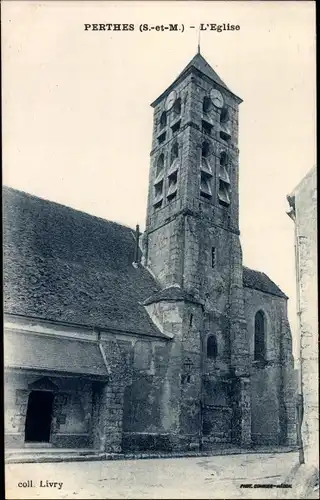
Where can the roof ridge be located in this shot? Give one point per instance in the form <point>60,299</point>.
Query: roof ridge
<point>255,270</point>
<point>70,266</point>
<point>247,282</point>
<point>62,205</point>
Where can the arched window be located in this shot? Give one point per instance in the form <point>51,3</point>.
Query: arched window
<point>224,159</point>
<point>205,149</point>
<point>224,115</point>
<point>174,152</point>
<point>177,106</point>
<point>163,120</point>
<point>206,104</point>
<point>213,257</point>
<point>160,164</point>
<point>212,347</point>
<point>259,336</point>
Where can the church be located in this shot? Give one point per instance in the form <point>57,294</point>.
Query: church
<point>118,341</point>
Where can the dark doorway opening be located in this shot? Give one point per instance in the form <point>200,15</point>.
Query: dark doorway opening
<point>39,416</point>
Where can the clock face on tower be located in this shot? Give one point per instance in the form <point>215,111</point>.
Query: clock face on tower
<point>216,98</point>
<point>170,100</point>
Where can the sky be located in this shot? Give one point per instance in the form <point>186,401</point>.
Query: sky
<point>77,123</point>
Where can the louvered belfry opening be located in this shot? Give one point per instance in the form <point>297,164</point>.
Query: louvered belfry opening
<point>224,180</point>
<point>206,171</point>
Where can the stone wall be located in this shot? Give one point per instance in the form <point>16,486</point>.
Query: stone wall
<point>162,404</point>
<point>147,413</point>
<point>217,414</point>
<point>305,217</point>
<point>165,253</point>
<point>272,384</point>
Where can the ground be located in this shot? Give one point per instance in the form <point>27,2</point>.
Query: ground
<point>215,477</point>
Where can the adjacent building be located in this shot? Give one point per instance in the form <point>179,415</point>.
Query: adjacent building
<point>303,211</point>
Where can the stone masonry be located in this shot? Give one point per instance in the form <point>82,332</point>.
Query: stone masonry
<point>192,245</point>
<point>303,211</point>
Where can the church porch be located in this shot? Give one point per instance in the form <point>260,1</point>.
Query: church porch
<point>46,411</point>
<point>53,388</point>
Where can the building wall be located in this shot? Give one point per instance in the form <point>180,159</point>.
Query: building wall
<point>272,382</point>
<point>305,217</point>
<point>148,418</point>
<point>162,404</point>
<point>165,252</point>
<point>88,412</point>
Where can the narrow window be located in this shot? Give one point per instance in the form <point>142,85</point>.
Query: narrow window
<point>225,135</point>
<point>206,104</point>
<point>174,152</point>
<point>259,336</point>
<point>205,164</point>
<point>162,138</point>
<point>206,127</point>
<point>213,257</point>
<point>212,347</point>
<point>160,164</point>
<point>158,205</point>
<point>173,185</point>
<point>158,183</point>
<point>205,186</point>
<point>177,106</point>
<point>205,150</point>
<point>223,193</point>
<point>163,119</point>
<point>224,115</point>
<point>224,180</point>
<point>176,127</point>
<point>158,189</point>
<point>224,158</point>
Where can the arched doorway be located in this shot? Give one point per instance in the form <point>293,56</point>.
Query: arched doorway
<point>39,416</point>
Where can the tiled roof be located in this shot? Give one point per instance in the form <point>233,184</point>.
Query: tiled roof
<point>201,65</point>
<point>53,353</point>
<point>260,281</point>
<point>65,265</point>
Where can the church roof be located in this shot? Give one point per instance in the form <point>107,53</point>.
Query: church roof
<point>65,265</point>
<point>59,354</point>
<point>198,62</point>
<point>260,281</point>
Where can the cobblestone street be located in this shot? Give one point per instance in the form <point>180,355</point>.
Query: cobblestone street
<point>197,477</point>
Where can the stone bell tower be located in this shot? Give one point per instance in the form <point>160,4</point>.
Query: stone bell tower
<point>192,237</point>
